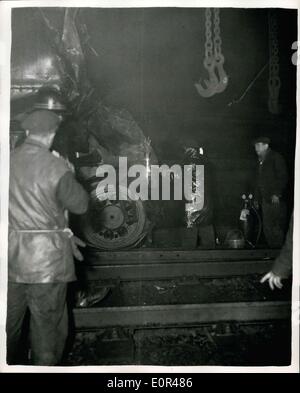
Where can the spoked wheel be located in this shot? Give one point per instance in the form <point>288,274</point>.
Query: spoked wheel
<point>113,224</point>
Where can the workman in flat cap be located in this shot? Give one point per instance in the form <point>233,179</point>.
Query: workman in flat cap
<point>270,187</point>
<point>41,246</point>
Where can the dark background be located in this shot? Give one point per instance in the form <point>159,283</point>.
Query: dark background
<point>149,60</point>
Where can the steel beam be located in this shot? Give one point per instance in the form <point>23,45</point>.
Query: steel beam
<point>96,257</point>
<point>152,271</point>
<point>183,315</point>
<point>169,264</point>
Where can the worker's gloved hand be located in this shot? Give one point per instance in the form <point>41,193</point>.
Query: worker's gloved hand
<point>273,279</point>
<point>70,165</point>
<point>67,161</point>
<point>75,242</point>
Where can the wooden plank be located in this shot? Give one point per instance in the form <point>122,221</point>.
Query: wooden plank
<point>188,314</point>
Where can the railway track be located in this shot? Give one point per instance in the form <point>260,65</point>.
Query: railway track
<point>204,268</point>
<point>149,264</point>
<point>180,315</point>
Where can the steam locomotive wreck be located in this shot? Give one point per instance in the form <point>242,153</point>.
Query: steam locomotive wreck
<point>180,269</point>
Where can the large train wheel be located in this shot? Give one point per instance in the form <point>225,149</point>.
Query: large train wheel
<point>113,224</point>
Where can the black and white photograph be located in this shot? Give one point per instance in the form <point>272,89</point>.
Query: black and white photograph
<point>149,186</point>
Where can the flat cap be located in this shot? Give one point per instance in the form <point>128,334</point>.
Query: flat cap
<point>41,122</point>
<point>261,139</point>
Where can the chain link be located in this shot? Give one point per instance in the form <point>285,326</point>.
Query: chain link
<point>213,47</point>
<point>208,35</point>
<point>217,35</point>
<point>274,79</point>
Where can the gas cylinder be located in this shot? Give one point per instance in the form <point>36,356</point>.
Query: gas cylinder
<point>249,221</point>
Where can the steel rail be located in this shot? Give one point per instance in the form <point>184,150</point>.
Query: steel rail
<point>96,257</point>
<point>182,315</point>
<point>168,264</point>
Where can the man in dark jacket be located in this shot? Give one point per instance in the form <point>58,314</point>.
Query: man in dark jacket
<point>40,261</point>
<point>271,182</point>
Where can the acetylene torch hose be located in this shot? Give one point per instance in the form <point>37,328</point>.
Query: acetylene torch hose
<point>259,225</point>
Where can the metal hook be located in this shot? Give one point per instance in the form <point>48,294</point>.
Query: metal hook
<point>211,83</point>
<point>223,78</point>
<point>204,92</point>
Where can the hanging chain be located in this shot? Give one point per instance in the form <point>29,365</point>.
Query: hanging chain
<point>213,59</point>
<point>208,36</point>
<point>274,79</point>
<point>217,35</point>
